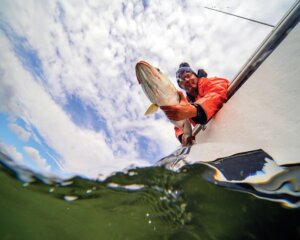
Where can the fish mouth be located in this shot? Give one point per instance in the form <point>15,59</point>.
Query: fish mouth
<point>148,78</point>
<point>144,71</point>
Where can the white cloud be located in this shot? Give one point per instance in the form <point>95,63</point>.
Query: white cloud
<point>36,158</point>
<point>11,151</point>
<point>83,151</point>
<point>20,132</point>
<point>89,50</point>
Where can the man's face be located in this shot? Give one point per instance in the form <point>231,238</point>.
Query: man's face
<point>189,81</point>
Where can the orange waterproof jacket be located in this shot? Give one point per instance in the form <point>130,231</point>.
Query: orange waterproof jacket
<point>212,93</point>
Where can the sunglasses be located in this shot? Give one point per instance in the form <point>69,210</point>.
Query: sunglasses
<point>183,77</point>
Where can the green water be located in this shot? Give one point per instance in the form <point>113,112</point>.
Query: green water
<point>167,205</point>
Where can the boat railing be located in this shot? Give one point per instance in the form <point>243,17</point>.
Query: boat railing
<point>274,38</point>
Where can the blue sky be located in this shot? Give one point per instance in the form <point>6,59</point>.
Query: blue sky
<point>70,102</point>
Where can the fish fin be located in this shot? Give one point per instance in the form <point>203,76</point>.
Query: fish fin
<point>152,109</point>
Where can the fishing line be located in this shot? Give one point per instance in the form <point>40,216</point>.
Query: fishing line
<point>249,19</point>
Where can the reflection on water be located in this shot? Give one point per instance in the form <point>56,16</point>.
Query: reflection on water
<point>254,172</point>
<point>142,203</point>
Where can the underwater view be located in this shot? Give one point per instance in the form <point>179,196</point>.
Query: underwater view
<point>141,203</point>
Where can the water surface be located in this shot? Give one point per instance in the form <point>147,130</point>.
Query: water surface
<point>143,203</point>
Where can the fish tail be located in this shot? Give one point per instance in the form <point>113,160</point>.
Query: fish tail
<point>187,128</point>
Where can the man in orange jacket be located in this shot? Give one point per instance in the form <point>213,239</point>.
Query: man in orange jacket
<point>205,96</point>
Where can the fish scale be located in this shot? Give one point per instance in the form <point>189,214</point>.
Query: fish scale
<point>160,91</point>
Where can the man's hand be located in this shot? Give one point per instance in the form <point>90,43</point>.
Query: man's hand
<point>181,111</point>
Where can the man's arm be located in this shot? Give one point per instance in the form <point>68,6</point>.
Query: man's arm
<point>214,95</point>
<point>205,106</point>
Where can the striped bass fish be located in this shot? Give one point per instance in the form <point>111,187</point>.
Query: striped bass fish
<point>160,91</point>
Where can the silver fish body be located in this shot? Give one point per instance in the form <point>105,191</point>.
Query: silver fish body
<point>160,90</point>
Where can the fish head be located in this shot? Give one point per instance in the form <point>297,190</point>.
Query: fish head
<point>145,72</point>
<point>156,85</point>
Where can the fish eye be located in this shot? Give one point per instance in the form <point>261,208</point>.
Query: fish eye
<point>158,69</point>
